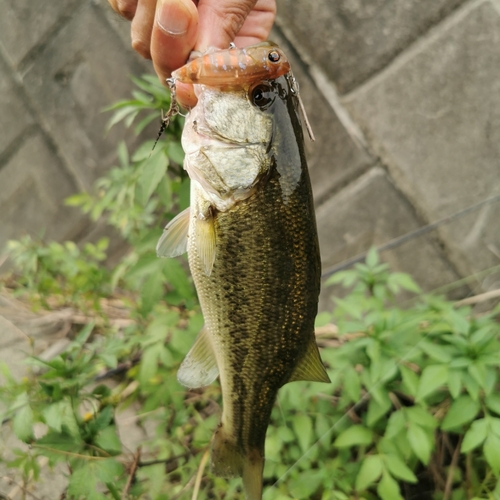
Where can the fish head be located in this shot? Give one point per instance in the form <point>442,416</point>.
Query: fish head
<point>232,138</point>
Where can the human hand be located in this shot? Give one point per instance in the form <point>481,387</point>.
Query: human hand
<point>166,31</point>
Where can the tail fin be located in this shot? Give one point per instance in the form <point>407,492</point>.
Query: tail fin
<point>228,461</point>
<point>253,467</point>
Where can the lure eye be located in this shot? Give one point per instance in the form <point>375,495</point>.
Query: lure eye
<point>274,56</point>
<point>262,96</point>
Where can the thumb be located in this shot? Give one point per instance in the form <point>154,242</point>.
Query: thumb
<point>173,35</point>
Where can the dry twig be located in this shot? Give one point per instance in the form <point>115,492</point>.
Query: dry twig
<point>199,475</point>
<point>131,476</point>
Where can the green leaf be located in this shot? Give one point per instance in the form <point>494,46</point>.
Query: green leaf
<point>108,470</point>
<point>491,452</point>
<point>154,170</point>
<point>395,425</point>
<point>435,351</point>
<point>454,383</point>
<point>22,423</point>
<point>176,153</point>
<point>475,436</point>
<point>108,440</point>
<point>433,377</point>
<point>478,372</point>
<point>352,385</point>
<point>460,362</point>
<point>82,482</point>
<point>120,115</point>
<point>471,385</point>
<point>151,292</point>
<point>149,364</point>
<point>462,411</point>
<point>103,418</point>
<point>405,281</point>
<point>53,417</point>
<point>176,276</point>
<point>421,417</point>
<point>302,425</point>
<point>372,257</point>
<point>458,321</point>
<point>494,424</point>
<point>419,442</point>
<point>388,488</point>
<point>493,403</point>
<point>354,436</point>
<point>370,471</point>
<point>376,411</point>
<point>306,483</point>
<point>410,380</point>
<point>399,469</point>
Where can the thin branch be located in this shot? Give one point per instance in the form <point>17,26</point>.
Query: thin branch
<point>68,453</point>
<point>131,476</point>
<point>13,492</point>
<point>477,299</point>
<point>199,475</point>
<point>165,461</point>
<point>454,461</point>
<point>185,488</point>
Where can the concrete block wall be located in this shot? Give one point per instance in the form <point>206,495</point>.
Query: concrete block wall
<point>410,98</point>
<point>403,97</point>
<point>61,63</point>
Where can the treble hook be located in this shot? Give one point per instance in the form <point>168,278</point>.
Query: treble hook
<point>172,111</point>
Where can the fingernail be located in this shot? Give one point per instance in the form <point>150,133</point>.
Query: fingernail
<point>172,17</point>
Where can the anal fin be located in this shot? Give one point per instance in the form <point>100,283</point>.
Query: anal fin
<point>310,367</point>
<point>199,367</point>
<point>173,241</point>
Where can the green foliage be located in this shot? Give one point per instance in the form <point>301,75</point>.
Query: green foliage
<point>414,395</point>
<point>61,270</point>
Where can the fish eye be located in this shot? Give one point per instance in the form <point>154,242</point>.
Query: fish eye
<point>274,56</point>
<point>262,96</point>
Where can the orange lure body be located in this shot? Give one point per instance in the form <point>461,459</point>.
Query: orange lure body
<point>233,66</point>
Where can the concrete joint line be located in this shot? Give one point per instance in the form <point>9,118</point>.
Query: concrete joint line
<point>326,88</point>
<point>40,121</point>
<point>434,34</point>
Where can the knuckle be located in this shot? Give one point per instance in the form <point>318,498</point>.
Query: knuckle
<point>126,8</point>
<point>141,48</point>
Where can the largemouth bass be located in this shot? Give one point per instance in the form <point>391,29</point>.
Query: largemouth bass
<point>250,234</point>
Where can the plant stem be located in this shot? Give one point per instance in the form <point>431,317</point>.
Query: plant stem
<point>454,461</point>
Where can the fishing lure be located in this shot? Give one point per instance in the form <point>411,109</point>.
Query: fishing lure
<point>234,66</point>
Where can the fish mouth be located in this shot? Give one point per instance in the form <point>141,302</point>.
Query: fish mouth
<point>200,135</point>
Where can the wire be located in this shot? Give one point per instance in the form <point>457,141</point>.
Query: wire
<point>396,242</point>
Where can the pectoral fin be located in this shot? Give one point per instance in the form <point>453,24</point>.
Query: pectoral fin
<point>173,241</point>
<point>310,367</point>
<point>205,240</point>
<point>199,367</point>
